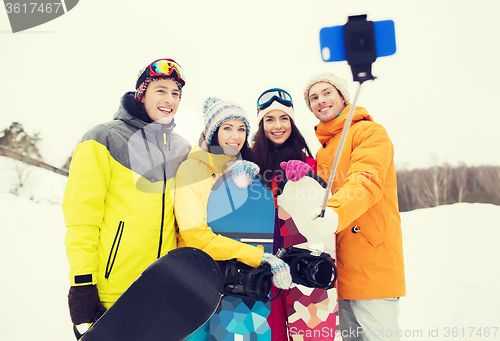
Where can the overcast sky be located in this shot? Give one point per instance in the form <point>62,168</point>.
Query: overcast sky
<point>437,96</point>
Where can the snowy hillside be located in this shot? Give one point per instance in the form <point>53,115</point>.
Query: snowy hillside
<point>33,263</point>
<point>451,255</point>
<point>451,259</point>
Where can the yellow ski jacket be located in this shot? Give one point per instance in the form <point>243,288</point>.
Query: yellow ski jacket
<point>117,204</point>
<point>194,181</point>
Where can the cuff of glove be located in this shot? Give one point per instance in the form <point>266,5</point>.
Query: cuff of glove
<point>340,213</point>
<point>277,265</point>
<point>266,258</point>
<point>79,280</point>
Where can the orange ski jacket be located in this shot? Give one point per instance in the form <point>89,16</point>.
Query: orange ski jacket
<point>369,247</point>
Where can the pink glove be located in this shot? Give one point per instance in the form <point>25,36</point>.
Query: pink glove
<point>295,169</point>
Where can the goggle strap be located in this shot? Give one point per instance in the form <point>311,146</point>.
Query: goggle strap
<point>279,93</point>
<point>150,72</point>
<point>145,75</point>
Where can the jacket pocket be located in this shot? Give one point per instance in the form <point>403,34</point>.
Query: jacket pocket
<point>369,230</point>
<point>114,249</point>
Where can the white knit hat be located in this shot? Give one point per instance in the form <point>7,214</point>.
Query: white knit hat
<point>275,106</point>
<point>217,111</point>
<point>339,83</point>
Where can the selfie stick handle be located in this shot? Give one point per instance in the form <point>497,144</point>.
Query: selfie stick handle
<point>338,152</point>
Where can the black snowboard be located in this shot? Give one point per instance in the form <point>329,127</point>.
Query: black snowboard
<point>171,299</point>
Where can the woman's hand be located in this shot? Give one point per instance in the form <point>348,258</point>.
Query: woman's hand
<point>295,169</point>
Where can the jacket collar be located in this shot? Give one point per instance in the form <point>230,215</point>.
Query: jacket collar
<point>217,162</point>
<point>324,131</point>
<point>132,112</point>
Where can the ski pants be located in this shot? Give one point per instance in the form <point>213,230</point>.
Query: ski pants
<point>369,320</point>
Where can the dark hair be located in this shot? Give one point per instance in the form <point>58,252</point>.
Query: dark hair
<point>245,152</point>
<point>268,156</point>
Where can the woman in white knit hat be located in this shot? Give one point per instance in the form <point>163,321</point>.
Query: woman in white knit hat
<point>224,141</point>
<point>278,139</point>
<point>279,144</point>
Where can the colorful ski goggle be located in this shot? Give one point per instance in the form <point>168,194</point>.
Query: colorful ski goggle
<point>162,67</point>
<point>271,95</point>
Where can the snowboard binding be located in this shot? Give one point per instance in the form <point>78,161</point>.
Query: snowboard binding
<point>311,268</point>
<point>244,281</point>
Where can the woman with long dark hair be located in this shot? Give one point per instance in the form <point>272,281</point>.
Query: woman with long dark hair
<point>281,152</point>
<point>278,139</point>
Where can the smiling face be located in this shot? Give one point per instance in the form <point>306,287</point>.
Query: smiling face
<point>326,101</point>
<point>232,136</point>
<point>277,127</point>
<point>161,100</point>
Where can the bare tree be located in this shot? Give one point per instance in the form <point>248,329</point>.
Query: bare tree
<point>405,189</point>
<point>431,181</point>
<point>17,141</point>
<point>445,182</point>
<point>460,180</point>
<point>489,182</point>
<point>22,172</point>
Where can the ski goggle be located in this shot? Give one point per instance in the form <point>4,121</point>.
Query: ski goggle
<point>271,95</point>
<point>162,68</point>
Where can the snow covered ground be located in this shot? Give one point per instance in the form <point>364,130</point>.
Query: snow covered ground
<point>451,255</point>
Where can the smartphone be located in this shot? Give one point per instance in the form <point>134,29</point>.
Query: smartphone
<point>333,45</point>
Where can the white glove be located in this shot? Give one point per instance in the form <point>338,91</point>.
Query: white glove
<point>327,224</point>
<point>282,278</point>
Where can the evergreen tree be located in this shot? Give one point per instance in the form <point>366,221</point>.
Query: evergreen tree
<point>16,139</point>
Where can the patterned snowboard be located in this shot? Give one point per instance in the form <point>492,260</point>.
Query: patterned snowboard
<point>246,215</point>
<point>312,312</point>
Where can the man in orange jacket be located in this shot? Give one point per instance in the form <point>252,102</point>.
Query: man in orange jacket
<point>363,212</point>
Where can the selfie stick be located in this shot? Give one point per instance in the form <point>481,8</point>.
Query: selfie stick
<point>360,51</point>
<point>338,152</point>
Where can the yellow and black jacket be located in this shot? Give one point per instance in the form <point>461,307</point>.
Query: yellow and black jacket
<point>117,205</point>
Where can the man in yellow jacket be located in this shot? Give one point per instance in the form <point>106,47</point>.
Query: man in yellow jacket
<point>117,204</point>
<point>363,212</point>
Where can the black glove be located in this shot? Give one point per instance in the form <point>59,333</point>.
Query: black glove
<point>84,304</point>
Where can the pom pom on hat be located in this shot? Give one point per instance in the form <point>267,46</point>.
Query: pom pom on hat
<point>339,83</point>
<point>216,111</point>
<point>207,103</point>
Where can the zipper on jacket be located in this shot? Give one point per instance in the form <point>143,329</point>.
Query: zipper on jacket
<point>145,139</point>
<point>116,241</point>
<point>167,137</point>
<point>163,199</point>
<point>162,206</point>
